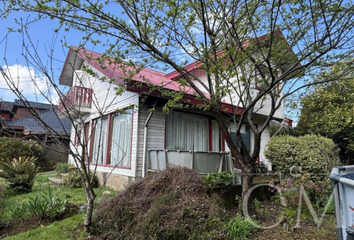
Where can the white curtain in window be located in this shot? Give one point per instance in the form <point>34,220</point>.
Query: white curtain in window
<point>187,132</point>
<point>100,141</point>
<point>121,138</point>
<point>215,136</point>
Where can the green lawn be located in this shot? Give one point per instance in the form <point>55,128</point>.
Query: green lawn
<point>63,229</point>
<point>66,229</point>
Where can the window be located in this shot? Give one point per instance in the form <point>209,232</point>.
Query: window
<point>100,137</point>
<point>112,139</point>
<point>245,134</point>
<point>121,139</point>
<point>191,132</point>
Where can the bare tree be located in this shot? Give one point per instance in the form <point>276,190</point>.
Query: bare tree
<point>80,141</point>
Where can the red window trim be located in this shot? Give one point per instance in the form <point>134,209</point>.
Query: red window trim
<point>210,131</point>
<point>107,153</point>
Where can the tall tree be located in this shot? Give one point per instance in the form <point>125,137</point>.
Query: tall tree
<point>255,53</point>
<point>328,110</point>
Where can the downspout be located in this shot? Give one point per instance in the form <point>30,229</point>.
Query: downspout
<point>145,138</point>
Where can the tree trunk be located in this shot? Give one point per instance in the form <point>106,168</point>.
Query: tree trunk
<point>88,215</point>
<point>246,183</point>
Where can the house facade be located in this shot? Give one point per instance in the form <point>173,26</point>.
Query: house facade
<point>126,136</point>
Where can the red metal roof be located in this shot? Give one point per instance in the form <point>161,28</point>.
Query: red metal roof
<point>197,64</point>
<point>120,72</point>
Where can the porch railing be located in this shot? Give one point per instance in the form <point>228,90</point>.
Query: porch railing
<point>78,98</point>
<point>202,162</point>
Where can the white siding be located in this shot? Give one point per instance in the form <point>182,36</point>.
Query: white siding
<point>262,107</point>
<point>264,140</point>
<point>155,134</point>
<point>106,101</point>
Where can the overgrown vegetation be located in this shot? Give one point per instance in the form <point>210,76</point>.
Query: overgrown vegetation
<point>62,167</point>
<point>306,154</point>
<point>74,180</point>
<point>3,196</point>
<point>163,206</point>
<point>173,204</point>
<point>48,205</point>
<point>216,179</point>
<point>240,228</point>
<point>19,173</point>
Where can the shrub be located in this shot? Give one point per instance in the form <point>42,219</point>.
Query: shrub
<point>11,148</point>
<point>310,153</point>
<point>20,173</point>
<point>218,179</point>
<point>240,228</point>
<point>62,168</point>
<point>319,192</point>
<point>73,179</point>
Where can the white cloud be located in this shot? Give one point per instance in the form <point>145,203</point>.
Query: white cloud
<point>24,80</point>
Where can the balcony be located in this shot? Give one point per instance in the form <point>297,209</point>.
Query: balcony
<point>76,102</point>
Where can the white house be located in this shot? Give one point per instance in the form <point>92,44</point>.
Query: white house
<point>126,141</point>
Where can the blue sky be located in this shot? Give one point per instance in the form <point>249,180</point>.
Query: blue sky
<point>44,39</point>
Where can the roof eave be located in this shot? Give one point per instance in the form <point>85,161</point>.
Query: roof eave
<point>72,62</point>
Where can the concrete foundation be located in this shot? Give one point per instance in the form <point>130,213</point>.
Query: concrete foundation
<point>115,181</point>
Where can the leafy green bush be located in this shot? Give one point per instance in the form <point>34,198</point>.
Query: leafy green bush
<point>240,228</point>
<point>20,173</point>
<point>73,179</point>
<point>62,168</point>
<point>218,179</point>
<point>296,155</point>
<point>47,205</point>
<point>11,148</point>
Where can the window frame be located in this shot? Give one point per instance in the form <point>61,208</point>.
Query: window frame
<point>210,133</point>
<point>248,132</point>
<point>109,129</point>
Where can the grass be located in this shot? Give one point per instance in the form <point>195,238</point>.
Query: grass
<point>64,229</point>
<point>71,228</point>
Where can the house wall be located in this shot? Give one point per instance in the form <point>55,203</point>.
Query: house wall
<point>5,115</point>
<point>21,113</point>
<point>106,101</point>
<point>262,107</point>
<point>155,134</point>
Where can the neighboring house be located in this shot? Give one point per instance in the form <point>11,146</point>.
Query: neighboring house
<point>19,122</point>
<point>129,141</point>
<point>6,110</point>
